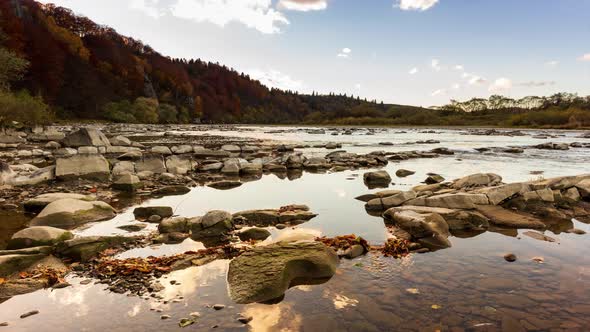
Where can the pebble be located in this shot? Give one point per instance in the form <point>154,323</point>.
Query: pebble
<point>245,319</point>
<point>165,316</point>
<point>218,306</point>
<point>4,324</point>
<point>281,226</point>
<point>30,313</point>
<point>154,218</point>
<point>195,314</point>
<point>510,257</point>
<point>538,259</point>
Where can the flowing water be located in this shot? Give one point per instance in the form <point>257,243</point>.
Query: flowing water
<point>466,287</point>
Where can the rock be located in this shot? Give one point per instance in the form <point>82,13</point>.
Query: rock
<point>510,257</point>
<point>429,229</point>
<point>245,319</point>
<point>435,178</point>
<point>163,150</point>
<point>539,236</point>
<point>223,185</point>
<point>231,168</point>
<point>131,155</point>
<point>456,219</point>
<point>251,168</point>
<point>30,313</point>
<point>14,263</point>
<point>133,227</point>
<point>38,176</point>
<point>280,226</point>
<point>544,195</point>
<point>94,167</point>
<point>154,219</point>
<point>506,218</point>
<point>127,182</point>
<point>498,194</point>
<point>576,231</point>
<point>151,162</point>
<point>572,194</point>
<point>171,190</point>
<point>123,167</point>
<point>584,188</point>
<point>84,248</point>
<point>120,141</point>
<point>354,251</point>
<point>171,225</point>
<point>38,236</point>
<point>457,201</point>
<point>68,213</point>
<point>378,177</point>
<point>231,148</point>
<point>265,273</point>
<point>218,306</point>
<point>179,164</point>
<point>147,211</point>
<point>254,233</point>
<point>402,173</point>
<point>214,224</point>
<point>87,150</point>
<point>211,167</point>
<point>39,202</point>
<point>182,149</point>
<point>86,137</point>
<point>477,180</point>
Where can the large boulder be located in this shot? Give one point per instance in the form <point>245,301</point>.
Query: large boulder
<point>507,218</point>
<point>254,233</point>
<point>38,236</point>
<point>120,141</point>
<point>6,173</point>
<point>271,217</point>
<point>457,200</point>
<point>145,212</point>
<point>383,203</point>
<point>179,164</point>
<point>477,180</point>
<point>172,225</point>
<point>94,167</point>
<point>127,182</point>
<point>499,194</point>
<point>151,162</point>
<point>84,248</point>
<point>456,219</point>
<point>429,229</point>
<point>265,273</point>
<point>38,176</point>
<point>215,224</point>
<point>86,137</point>
<point>10,264</point>
<point>377,178</point>
<point>40,202</point>
<point>584,188</point>
<point>69,213</point>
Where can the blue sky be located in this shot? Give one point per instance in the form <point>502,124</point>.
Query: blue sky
<point>420,52</point>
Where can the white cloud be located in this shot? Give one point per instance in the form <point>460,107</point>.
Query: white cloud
<point>552,63</point>
<point>585,57</point>
<point>456,86</point>
<point>536,84</point>
<point>257,14</point>
<point>357,86</point>
<point>275,79</point>
<point>344,53</point>
<point>501,84</point>
<point>303,5</point>
<point>148,7</point>
<point>413,71</point>
<point>439,92</point>
<point>416,4</point>
<point>473,79</point>
<point>435,64</point>
<point>459,67</point>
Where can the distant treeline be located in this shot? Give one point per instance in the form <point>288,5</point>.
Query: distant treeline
<point>58,65</point>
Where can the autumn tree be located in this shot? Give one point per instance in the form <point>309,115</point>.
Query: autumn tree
<point>145,110</point>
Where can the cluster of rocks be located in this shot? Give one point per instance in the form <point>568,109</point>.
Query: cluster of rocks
<point>217,227</point>
<point>429,213</point>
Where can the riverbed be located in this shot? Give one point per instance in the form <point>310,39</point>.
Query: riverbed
<point>468,287</point>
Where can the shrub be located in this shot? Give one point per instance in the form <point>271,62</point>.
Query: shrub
<point>23,108</point>
<point>145,110</point>
<point>119,112</point>
<point>167,113</point>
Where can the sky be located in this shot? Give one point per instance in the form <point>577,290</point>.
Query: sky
<point>417,52</point>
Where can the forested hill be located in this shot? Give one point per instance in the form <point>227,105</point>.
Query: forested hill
<point>84,70</point>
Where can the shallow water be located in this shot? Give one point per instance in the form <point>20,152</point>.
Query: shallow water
<point>469,286</point>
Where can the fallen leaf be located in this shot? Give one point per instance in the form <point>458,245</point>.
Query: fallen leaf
<point>413,291</point>
<point>435,306</point>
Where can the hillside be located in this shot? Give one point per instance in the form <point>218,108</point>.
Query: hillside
<point>88,71</point>
<point>56,64</point>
